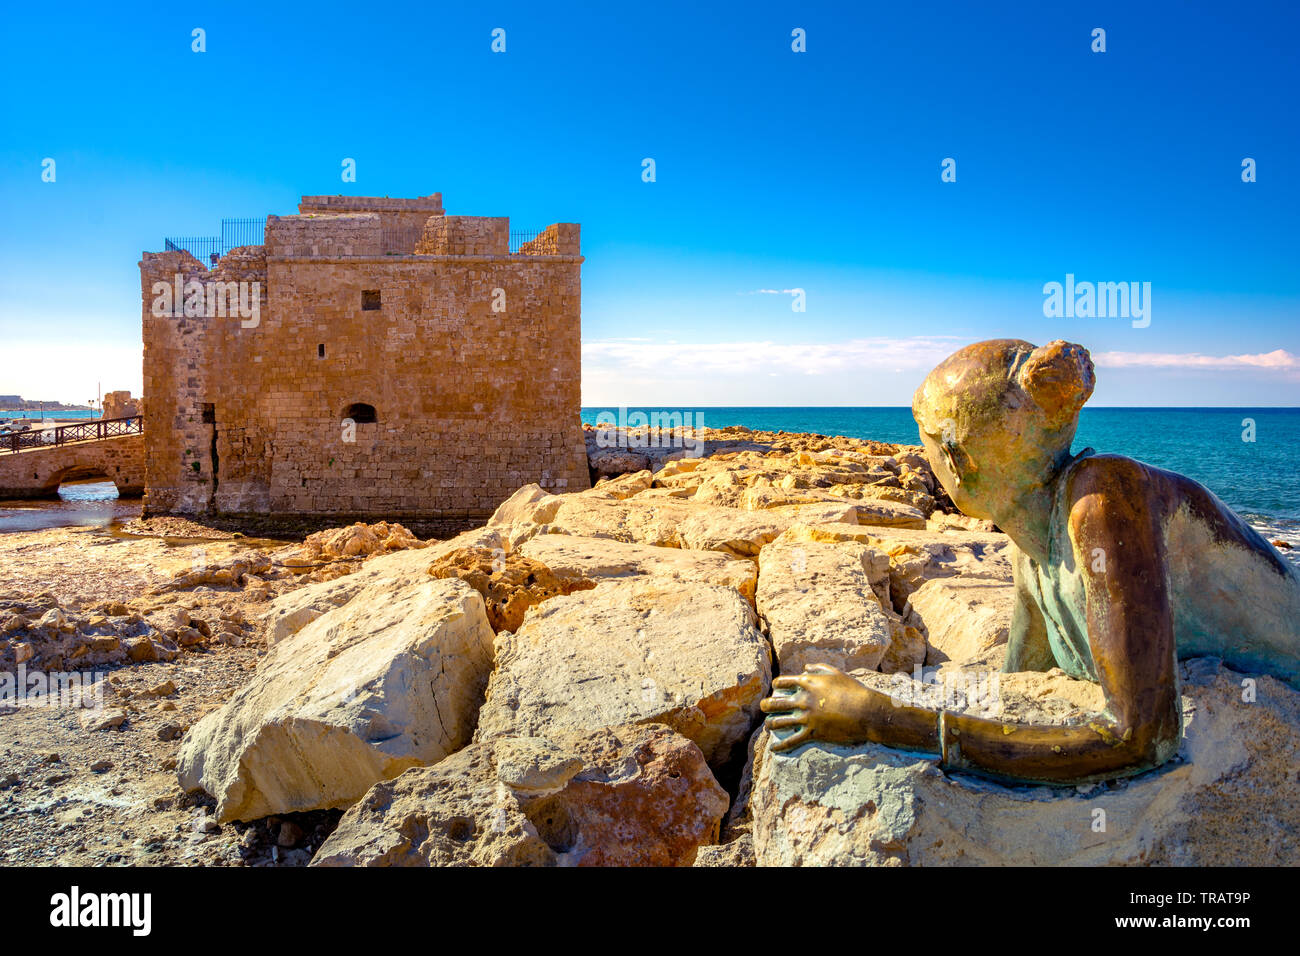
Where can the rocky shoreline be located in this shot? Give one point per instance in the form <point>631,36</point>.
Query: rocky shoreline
<point>596,661</point>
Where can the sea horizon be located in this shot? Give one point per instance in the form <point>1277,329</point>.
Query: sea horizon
<point>1247,455</point>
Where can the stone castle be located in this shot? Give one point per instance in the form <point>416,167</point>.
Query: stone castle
<point>375,357</point>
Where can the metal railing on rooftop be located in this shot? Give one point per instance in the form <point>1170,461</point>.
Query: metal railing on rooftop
<point>537,240</point>
<point>209,249</point>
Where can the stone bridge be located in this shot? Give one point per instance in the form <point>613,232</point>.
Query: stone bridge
<point>38,472</point>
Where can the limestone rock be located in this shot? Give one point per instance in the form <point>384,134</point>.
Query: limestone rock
<point>907,648</point>
<point>610,462</point>
<point>291,612</point>
<point>941,521</point>
<point>360,540</point>
<point>529,504</point>
<point>638,795</point>
<point>819,606</point>
<point>744,533</point>
<point>966,619</point>
<point>510,583</point>
<point>686,655</point>
<point>872,806</point>
<point>737,852</point>
<point>231,572</point>
<point>892,514</point>
<point>338,551</point>
<point>101,718</point>
<point>624,486</point>
<point>391,680</point>
<point>578,558</point>
<point>666,523</point>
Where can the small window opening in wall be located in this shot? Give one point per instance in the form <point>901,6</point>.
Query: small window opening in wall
<point>370,300</point>
<point>320,350</point>
<point>361,413</point>
<point>209,413</point>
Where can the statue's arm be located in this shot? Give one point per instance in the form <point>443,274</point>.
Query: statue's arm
<point>1131,636</point>
<point>1027,645</point>
<point>1130,633</point>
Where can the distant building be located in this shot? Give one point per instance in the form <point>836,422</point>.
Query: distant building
<point>385,359</point>
<point>120,404</point>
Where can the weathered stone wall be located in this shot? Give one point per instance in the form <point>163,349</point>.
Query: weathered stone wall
<point>38,472</point>
<point>344,235</point>
<point>465,236</point>
<point>401,220</point>
<point>120,404</point>
<point>557,239</point>
<point>472,364</point>
<point>182,371</point>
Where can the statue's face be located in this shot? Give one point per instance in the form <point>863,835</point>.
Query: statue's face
<point>956,473</point>
<point>995,418</point>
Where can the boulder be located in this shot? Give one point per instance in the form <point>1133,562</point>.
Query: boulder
<point>671,523</point>
<point>943,521</point>
<point>883,512</point>
<point>686,655</point>
<point>359,540</point>
<point>819,607</point>
<point>529,505</point>
<point>966,619</point>
<point>391,680</point>
<point>610,462</point>
<point>510,583</point>
<point>291,612</point>
<point>639,795</point>
<point>595,559</point>
<point>338,551</point>
<point>733,853</point>
<point>744,533</point>
<point>917,556</point>
<point>624,486</point>
<point>825,805</point>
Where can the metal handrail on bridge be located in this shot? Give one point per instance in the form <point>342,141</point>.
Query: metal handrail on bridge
<point>92,430</point>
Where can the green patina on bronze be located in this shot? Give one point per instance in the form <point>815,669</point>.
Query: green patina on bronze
<point>1120,570</point>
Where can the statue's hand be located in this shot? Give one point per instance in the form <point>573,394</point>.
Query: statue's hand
<point>822,703</point>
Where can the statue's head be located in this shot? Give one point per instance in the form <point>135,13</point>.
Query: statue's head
<point>998,417</point>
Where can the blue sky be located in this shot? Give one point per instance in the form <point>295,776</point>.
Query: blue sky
<point>775,170</point>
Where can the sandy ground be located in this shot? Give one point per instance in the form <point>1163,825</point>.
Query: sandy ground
<point>71,795</point>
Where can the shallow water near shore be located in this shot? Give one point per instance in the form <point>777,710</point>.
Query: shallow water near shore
<point>90,504</point>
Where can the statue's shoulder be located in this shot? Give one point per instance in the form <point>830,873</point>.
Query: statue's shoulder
<point>1106,487</point>
<point>1089,472</point>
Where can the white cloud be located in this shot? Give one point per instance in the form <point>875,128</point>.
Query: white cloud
<point>1277,360</point>
<point>863,371</point>
<point>740,358</point>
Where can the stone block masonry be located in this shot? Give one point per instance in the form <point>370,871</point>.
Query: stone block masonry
<point>38,472</point>
<point>424,386</point>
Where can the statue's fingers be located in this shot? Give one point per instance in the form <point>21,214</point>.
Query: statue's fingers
<point>777,722</point>
<point>794,740</point>
<point>777,705</point>
<point>797,680</point>
<point>822,669</point>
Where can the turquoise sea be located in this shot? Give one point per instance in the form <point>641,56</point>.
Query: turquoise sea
<point>1259,479</point>
<point>36,413</point>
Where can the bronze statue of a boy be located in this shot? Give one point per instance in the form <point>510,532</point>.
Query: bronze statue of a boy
<point>1120,570</point>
